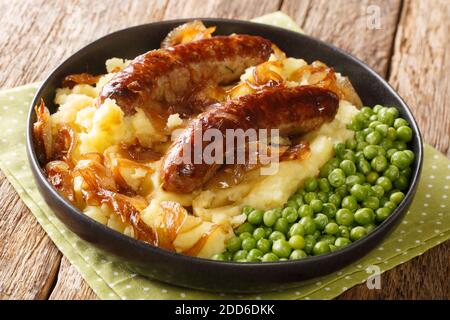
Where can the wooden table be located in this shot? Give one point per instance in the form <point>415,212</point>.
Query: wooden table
<point>408,45</point>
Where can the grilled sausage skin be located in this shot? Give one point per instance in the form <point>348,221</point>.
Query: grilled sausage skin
<point>168,78</point>
<point>291,110</point>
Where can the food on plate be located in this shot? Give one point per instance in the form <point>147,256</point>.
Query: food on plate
<point>116,149</point>
<point>300,110</point>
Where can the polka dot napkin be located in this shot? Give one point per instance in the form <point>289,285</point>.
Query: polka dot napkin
<point>426,225</point>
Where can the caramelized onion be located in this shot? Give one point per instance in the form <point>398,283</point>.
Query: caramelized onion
<point>42,133</point>
<point>80,78</point>
<point>190,31</point>
<point>60,176</point>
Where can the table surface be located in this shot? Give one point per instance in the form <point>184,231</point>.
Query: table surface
<point>408,45</point>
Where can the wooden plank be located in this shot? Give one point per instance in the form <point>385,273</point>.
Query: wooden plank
<point>419,68</point>
<point>220,8</point>
<point>36,35</point>
<point>70,285</point>
<point>349,25</point>
<point>28,259</point>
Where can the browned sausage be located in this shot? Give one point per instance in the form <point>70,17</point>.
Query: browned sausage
<point>291,110</point>
<point>172,75</point>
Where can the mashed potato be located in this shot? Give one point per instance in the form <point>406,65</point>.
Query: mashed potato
<point>102,129</point>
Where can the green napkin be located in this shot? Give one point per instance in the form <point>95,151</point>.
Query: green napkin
<point>426,225</point>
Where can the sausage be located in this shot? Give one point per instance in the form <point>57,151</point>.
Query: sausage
<point>168,78</point>
<point>291,110</point>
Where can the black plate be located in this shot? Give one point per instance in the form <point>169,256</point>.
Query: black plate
<point>201,273</point>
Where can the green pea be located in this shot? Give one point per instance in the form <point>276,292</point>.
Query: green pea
<point>350,144</point>
<point>219,257</point>
<point>400,145</point>
<point>378,191</point>
<point>393,111</point>
<point>282,225</point>
<point>385,183</point>
<point>321,247</point>
<point>410,155</point>
<point>360,155</point>
<point>344,232</point>
<point>297,242</point>
<point>290,214</point>
<point>335,199</point>
<point>248,244</point>
<point>379,163</point>
<point>281,248</point>
<point>316,205</point>
<point>322,196</point>
<point>370,227</point>
<point>390,152</point>
<point>270,217</point>
<point>397,197</point>
<point>361,145</point>
<point>245,235</point>
<point>357,233</point>
<point>391,134</point>
<point>269,257</point>
<point>386,117</point>
<point>377,108</point>
<point>341,191</point>
<point>337,177</point>
<point>390,205</point>
<point>245,227</point>
<point>401,183</point>
<point>399,122</point>
<point>344,217</point>
<point>311,184</point>
<point>387,144</point>
<point>359,192</point>
<point>342,242</point>
<point>372,177</point>
<point>317,234</point>
<point>404,133</point>
<point>310,241</point>
<point>382,214</point>
<point>349,155</point>
<point>268,231</point>
<point>308,224</point>
<point>350,181</point>
<point>310,196</point>
<point>371,203</point>
<point>264,245</point>
<point>406,173</point>
<point>383,201</point>
<point>339,148</point>
<point>292,204</point>
<point>259,233</point>
<point>277,235</point>
<point>364,166</point>
<point>350,203</point>
<point>374,138</point>
<point>305,211</point>
<point>328,238</point>
<point>370,152</point>
<point>326,170</point>
<point>392,172</point>
<point>240,255</point>
<point>329,209</point>
<point>321,221</point>
<point>296,229</point>
<point>332,228</point>
<point>255,217</point>
<point>247,209</point>
<point>364,216</point>
<point>382,129</point>
<point>234,244</point>
<point>324,185</point>
<point>254,255</point>
<point>348,167</point>
<point>367,131</point>
<point>297,254</point>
